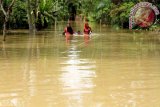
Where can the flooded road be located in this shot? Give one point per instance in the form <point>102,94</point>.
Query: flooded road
<point>114,68</point>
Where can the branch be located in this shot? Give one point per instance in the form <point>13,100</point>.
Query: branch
<point>1,4</point>
<point>48,15</point>
<point>12,3</point>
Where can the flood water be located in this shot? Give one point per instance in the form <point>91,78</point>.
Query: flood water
<point>114,68</point>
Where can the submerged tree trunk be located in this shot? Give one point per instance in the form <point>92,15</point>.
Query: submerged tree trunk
<point>6,16</point>
<point>30,20</point>
<point>35,13</point>
<point>36,8</point>
<point>32,11</point>
<point>4,30</point>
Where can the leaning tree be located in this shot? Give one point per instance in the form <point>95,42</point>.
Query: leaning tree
<point>6,9</point>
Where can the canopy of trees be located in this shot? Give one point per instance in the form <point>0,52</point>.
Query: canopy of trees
<point>39,14</point>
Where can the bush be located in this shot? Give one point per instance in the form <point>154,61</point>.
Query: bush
<point>120,14</point>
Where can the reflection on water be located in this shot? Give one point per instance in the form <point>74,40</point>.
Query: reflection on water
<point>114,69</point>
<point>76,77</point>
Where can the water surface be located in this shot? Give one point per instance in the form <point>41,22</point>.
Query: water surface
<point>114,68</point>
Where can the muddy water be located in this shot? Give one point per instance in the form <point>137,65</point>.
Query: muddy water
<point>114,68</point>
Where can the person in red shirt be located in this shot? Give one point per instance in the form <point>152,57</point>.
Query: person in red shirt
<point>87,28</point>
<point>87,31</point>
<point>68,30</point>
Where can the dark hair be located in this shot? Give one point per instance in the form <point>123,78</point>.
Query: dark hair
<point>87,20</point>
<point>70,30</point>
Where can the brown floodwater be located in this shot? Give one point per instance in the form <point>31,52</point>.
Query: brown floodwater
<point>114,68</point>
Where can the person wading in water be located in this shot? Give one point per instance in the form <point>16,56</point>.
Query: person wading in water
<point>68,32</point>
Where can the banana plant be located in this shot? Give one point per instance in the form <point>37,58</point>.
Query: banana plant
<point>47,12</point>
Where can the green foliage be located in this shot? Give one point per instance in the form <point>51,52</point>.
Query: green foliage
<point>101,11</point>
<point>6,3</point>
<point>48,11</point>
<point>115,14</point>
<point>45,9</point>
<point>120,14</point>
<point>46,5</point>
<point>18,18</point>
<point>88,7</point>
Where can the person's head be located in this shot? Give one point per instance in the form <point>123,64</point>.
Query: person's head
<point>68,24</point>
<point>78,32</point>
<point>86,25</point>
<point>86,20</point>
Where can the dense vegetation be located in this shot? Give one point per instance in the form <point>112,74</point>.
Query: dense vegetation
<point>40,14</point>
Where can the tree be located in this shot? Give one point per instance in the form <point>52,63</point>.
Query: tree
<point>116,1</point>
<point>6,11</point>
<point>30,19</point>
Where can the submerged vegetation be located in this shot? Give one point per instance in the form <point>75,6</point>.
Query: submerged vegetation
<point>39,14</point>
